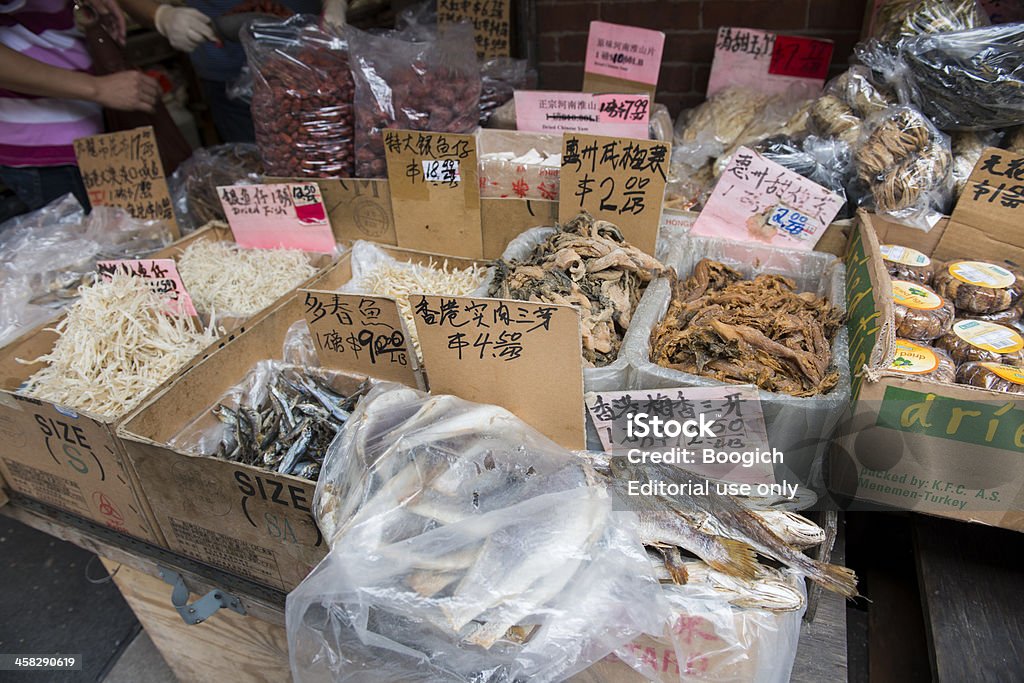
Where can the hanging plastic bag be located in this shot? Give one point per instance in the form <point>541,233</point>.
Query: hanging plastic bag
<point>906,165</point>
<point>499,79</point>
<point>968,80</point>
<point>908,18</point>
<point>465,546</point>
<point>302,97</point>
<point>430,85</point>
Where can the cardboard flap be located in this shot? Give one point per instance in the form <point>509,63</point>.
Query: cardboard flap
<point>505,219</point>
<point>988,222</point>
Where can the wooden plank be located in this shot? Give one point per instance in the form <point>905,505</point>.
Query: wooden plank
<point>971,586</point>
<point>226,647</point>
<point>821,653</point>
<point>259,601</point>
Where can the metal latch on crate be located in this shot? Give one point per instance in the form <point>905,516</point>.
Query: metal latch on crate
<point>203,608</point>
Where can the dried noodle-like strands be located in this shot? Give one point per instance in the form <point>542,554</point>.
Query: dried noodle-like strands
<point>116,344</point>
<point>223,277</point>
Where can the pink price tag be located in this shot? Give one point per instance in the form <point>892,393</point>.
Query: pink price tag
<point>768,63</point>
<point>278,216</point>
<point>162,275</point>
<point>542,111</point>
<point>757,200</point>
<point>624,52</point>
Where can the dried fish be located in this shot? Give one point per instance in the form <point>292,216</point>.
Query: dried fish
<point>289,425</point>
<point>116,345</point>
<point>756,331</point>
<point>589,265</point>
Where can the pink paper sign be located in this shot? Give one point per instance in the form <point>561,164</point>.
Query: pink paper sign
<point>757,200</point>
<point>541,111</point>
<point>768,63</point>
<point>162,275</point>
<point>278,216</point>
<point>626,52</point>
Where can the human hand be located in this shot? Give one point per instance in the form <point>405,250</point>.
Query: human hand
<point>184,27</point>
<point>127,91</point>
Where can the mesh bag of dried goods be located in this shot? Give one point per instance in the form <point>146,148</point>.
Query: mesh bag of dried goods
<point>799,426</point>
<point>906,164</point>
<point>464,546</point>
<point>404,81</point>
<point>302,97</point>
<point>923,361</point>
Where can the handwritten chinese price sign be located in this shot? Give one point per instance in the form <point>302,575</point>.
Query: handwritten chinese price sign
<point>616,179</point>
<point>768,63</point>
<point>162,276</point>
<point>435,193</point>
<point>124,169</point>
<point>757,200</point>
<point>362,334</point>
<point>490,20</point>
<point>622,59</point>
<point>735,410</point>
<point>543,111</point>
<point>524,356</point>
<point>994,195</point>
<point>278,216</point>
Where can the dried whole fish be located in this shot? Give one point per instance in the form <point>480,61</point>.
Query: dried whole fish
<point>589,265</point>
<point>722,516</point>
<point>290,426</point>
<point>756,331</point>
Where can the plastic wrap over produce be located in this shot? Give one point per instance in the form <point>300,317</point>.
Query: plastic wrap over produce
<point>964,80</point>
<point>708,639</point>
<point>405,81</point>
<point>519,165</point>
<point>464,546</point>
<point>302,98</point>
<point>45,255</point>
<point>799,427</point>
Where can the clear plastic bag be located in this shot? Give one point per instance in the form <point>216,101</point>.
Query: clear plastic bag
<point>847,100</point>
<point>499,79</point>
<point>430,85</point>
<point>708,639</point>
<point>302,97</point>
<point>967,80</point>
<point>660,123</point>
<point>194,184</point>
<point>465,546</point>
<point>240,87</point>
<point>908,18</point>
<point>519,165</point>
<point>779,115</point>
<point>967,147</point>
<point>45,255</point>
<point>707,131</point>
<point>826,161</point>
<point>906,165</point>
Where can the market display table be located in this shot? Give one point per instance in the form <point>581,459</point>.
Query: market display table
<point>253,646</point>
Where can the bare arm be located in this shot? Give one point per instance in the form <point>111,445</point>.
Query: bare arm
<point>127,90</point>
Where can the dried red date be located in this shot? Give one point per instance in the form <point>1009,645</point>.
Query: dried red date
<point>301,99</point>
<point>431,86</point>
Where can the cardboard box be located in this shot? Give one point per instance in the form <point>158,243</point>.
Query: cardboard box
<point>66,458</point>
<point>252,522</point>
<point>916,444</point>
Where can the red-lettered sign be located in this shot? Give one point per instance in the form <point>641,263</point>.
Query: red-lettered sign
<point>801,57</point>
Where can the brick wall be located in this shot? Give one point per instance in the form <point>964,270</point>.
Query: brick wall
<point>690,28</point>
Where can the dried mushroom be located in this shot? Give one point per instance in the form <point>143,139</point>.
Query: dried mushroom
<point>756,331</point>
<point>904,263</point>
<point>979,287</point>
<point>587,264</point>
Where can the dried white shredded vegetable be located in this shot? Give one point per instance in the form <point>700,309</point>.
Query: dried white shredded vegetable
<point>116,344</point>
<point>396,279</point>
<point>223,277</point>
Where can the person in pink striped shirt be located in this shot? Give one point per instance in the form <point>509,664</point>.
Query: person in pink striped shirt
<point>48,97</point>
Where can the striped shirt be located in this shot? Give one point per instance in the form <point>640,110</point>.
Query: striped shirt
<point>38,131</point>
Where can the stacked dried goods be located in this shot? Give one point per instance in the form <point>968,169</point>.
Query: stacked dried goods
<point>302,98</point>
<point>756,331</point>
<point>587,264</point>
